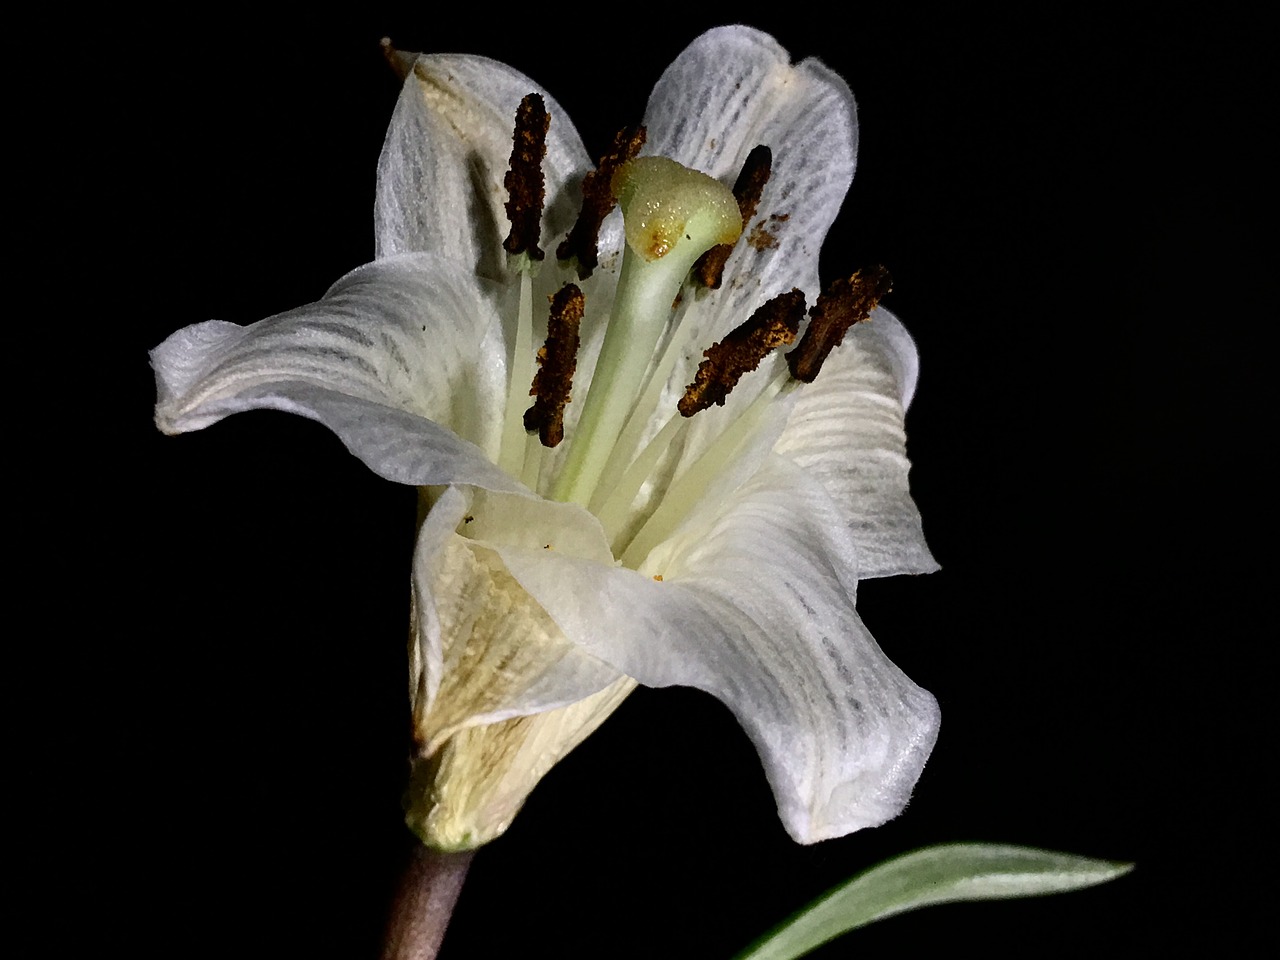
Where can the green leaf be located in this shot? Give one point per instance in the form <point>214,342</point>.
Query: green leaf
<point>942,874</point>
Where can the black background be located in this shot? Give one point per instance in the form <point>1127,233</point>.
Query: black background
<point>1040,192</point>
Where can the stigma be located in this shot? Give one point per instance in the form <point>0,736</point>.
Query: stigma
<point>665,204</point>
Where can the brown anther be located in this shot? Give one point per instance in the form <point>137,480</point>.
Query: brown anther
<point>557,360</point>
<point>773,325</point>
<point>400,61</point>
<point>524,182</point>
<point>842,304</point>
<point>582,243</point>
<point>747,190</point>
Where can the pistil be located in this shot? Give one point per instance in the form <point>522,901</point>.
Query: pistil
<point>672,215</point>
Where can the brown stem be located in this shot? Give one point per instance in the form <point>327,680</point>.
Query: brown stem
<point>424,903</point>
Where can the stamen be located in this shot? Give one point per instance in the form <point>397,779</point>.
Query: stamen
<point>841,305</point>
<point>689,487</point>
<point>747,189</point>
<point>773,325</point>
<point>557,361</point>
<point>597,200</point>
<point>511,453</point>
<point>524,181</point>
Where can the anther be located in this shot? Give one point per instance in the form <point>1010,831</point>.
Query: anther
<point>773,325</point>
<point>524,182</point>
<point>582,243</point>
<point>747,190</point>
<point>841,305</point>
<point>557,361</point>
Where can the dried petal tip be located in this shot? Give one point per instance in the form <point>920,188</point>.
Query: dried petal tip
<point>400,61</point>
<point>773,325</point>
<point>842,304</point>
<point>747,190</point>
<point>524,181</point>
<point>557,361</point>
<point>597,200</point>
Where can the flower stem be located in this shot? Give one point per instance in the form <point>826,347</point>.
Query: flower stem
<point>424,903</point>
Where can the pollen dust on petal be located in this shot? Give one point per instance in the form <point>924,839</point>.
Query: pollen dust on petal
<point>762,236</point>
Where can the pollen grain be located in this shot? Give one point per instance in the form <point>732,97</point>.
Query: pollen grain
<point>841,305</point>
<point>526,187</point>
<point>557,361</point>
<point>582,243</point>
<point>773,325</point>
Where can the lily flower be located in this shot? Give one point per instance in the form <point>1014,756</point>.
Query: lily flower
<point>677,506</point>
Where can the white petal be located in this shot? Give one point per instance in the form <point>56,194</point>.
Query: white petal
<point>402,359</point>
<point>485,650</point>
<point>757,608</point>
<point>732,89</point>
<point>846,431</point>
<point>446,153</point>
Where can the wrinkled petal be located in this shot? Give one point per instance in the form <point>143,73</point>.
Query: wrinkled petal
<point>499,693</point>
<point>484,650</point>
<point>846,432</point>
<point>469,792</point>
<point>447,150</point>
<point>402,359</point>
<point>757,608</point>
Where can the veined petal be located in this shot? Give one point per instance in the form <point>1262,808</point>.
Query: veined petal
<point>446,153</point>
<point>732,89</point>
<point>757,608</point>
<point>483,649</point>
<point>401,358</point>
<point>846,431</point>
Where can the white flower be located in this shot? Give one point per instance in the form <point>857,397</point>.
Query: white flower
<point>548,582</point>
